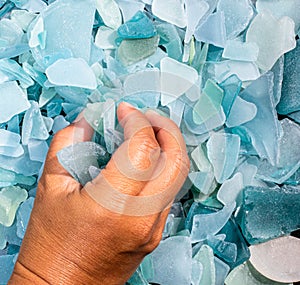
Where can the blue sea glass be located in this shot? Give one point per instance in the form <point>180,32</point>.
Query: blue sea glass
<point>23,216</point>
<point>10,178</point>
<point>7,263</point>
<point>222,270</point>
<point>130,8</point>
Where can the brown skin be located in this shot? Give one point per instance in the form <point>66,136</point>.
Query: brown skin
<point>72,239</point>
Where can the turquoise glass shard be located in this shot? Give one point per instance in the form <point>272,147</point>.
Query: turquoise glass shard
<point>289,101</point>
<point>222,270</point>
<point>138,27</point>
<point>273,38</point>
<point>223,150</point>
<point>13,100</point>
<point>7,263</point>
<point>264,128</point>
<point>237,13</point>
<point>109,12</point>
<point>23,216</point>
<point>288,160</point>
<point>173,267</point>
<point>11,197</point>
<point>59,16</point>
<point>294,180</point>
<point>266,213</point>
<point>77,159</point>
<point>205,225</point>
<point>10,178</point>
<point>8,236</point>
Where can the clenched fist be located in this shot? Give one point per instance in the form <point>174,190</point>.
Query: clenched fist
<point>99,233</point>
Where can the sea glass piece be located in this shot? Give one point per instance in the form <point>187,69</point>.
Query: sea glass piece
<point>237,15</point>
<point>71,72</point>
<point>176,111</point>
<point>59,123</point>
<point>109,123</point>
<point>33,125</point>
<point>7,264</point>
<point>37,150</point>
<point>223,150</point>
<point>46,96</point>
<point>230,189</point>
<point>294,180</point>
<point>60,16</point>
<point>23,216</point>
<point>171,11</point>
<point>195,11</point>
<point>288,160</point>
<point>110,13</point>
<point>13,100</point>
<point>10,33</point>
<point>197,271</point>
<point>202,181</point>
<point>132,51</point>
<point>246,274</point>
<point>138,27</point>
<point>266,213</point>
<point>276,259</point>
<point>212,30</point>
<point>199,157</point>
<point>105,38</point>
<point>281,8</point>
<point>205,225</point>
<point>176,79</point>
<point>22,18</point>
<point>241,112</point>
<point>205,256</point>
<point>11,197</point>
<point>173,267</point>
<point>130,8</point>
<point>77,159</point>
<point>273,38</point>
<point>277,70</point>
<point>264,128</point>
<point>10,178</point>
<point>240,51</point>
<point>222,270</point>
<point>289,101</point>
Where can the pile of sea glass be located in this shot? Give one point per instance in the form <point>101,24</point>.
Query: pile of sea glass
<point>226,71</point>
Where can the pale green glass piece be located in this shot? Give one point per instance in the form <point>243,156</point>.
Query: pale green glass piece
<point>13,101</point>
<point>246,274</point>
<point>222,151</point>
<point>71,72</point>
<point>110,13</point>
<point>10,178</point>
<point>241,51</point>
<point>173,267</point>
<point>238,14</point>
<point>171,11</point>
<point>10,199</point>
<point>199,156</point>
<point>273,38</point>
<point>133,51</point>
<point>197,271</point>
<point>205,256</point>
<point>176,79</point>
<point>202,181</point>
<point>222,270</point>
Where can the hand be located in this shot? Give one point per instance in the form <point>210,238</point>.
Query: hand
<point>71,237</point>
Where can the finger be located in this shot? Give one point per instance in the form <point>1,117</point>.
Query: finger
<point>54,175</point>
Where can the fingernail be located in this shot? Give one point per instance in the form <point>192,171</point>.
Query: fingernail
<point>153,112</point>
<point>127,105</point>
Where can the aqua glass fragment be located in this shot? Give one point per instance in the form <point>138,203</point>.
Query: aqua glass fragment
<point>23,216</point>
<point>105,38</point>
<point>288,159</point>
<point>277,70</point>
<point>231,87</point>
<point>13,125</point>
<point>223,150</point>
<point>199,157</point>
<point>7,265</point>
<point>132,51</point>
<point>37,150</point>
<point>10,33</point>
<point>264,128</point>
<point>138,27</point>
<point>197,271</point>
<point>37,75</point>
<point>13,101</point>
<point>59,123</point>
<point>8,236</point>
<point>266,213</point>
<point>222,270</point>
<point>22,18</point>
<point>241,51</point>
<point>77,159</point>
<point>173,267</point>
<point>202,181</point>
<point>130,8</point>
<point>10,178</point>
<point>237,14</point>
<point>205,225</point>
<point>54,108</point>
<point>294,180</point>
<point>289,101</point>
<point>46,96</point>
<point>171,11</point>
<point>205,256</point>
<point>176,111</point>
<point>273,38</point>
<point>212,30</point>
<point>109,12</point>
<point>11,197</point>
<point>60,16</point>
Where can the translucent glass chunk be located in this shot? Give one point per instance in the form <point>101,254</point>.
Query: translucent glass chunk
<point>105,38</point>
<point>273,38</point>
<point>59,123</point>
<point>212,30</point>
<point>266,213</point>
<point>173,267</point>
<point>10,178</point>
<point>13,101</point>
<point>109,123</point>
<point>78,158</point>
<point>277,70</point>
<point>289,101</point>
<point>197,271</point>
<point>10,33</point>
<point>22,18</point>
<point>288,159</point>
<point>109,12</point>
<point>38,150</point>
<point>237,15</point>
<point>7,265</point>
<point>210,224</point>
<point>202,181</point>
<point>237,50</point>
<point>223,150</point>
<point>171,11</point>
<point>222,270</point>
<point>199,156</point>
<point>133,51</point>
<point>130,8</point>
<point>23,216</point>
<point>264,128</point>
<point>11,197</point>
